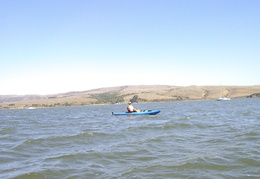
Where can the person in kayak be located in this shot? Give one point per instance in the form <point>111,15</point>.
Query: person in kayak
<point>130,108</point>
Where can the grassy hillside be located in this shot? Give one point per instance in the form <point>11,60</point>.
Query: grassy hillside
<point>123,94</point>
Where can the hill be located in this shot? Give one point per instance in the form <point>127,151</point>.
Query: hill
<point>123,94</point>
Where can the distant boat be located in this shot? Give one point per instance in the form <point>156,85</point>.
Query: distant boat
<point>223,98</point>
<point>31,108</point>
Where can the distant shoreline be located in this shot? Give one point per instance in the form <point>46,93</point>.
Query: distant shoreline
<point>123,94</point>
<point>28,108</point>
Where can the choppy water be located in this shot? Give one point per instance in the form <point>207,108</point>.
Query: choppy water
<point>195,139</point>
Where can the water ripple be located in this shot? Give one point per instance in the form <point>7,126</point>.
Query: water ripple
<point>196,139</point>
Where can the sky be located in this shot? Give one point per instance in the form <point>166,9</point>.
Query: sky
<point>57,46</point>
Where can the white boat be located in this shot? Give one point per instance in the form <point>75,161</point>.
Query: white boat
<point>223,98</point>
<point>31,108</point>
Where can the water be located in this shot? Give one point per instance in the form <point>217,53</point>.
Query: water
<point>193,139</point>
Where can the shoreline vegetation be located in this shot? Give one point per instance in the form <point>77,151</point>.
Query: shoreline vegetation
<point>124,94</point>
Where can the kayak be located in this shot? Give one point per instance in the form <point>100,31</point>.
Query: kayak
<point>146,112</point>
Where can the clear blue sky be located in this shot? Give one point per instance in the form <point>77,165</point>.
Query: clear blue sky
<point>55,46</point>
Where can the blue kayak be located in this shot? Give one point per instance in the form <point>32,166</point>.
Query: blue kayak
<point>147,112</point>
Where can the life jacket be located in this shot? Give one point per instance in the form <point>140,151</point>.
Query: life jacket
<point>130,108</point>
